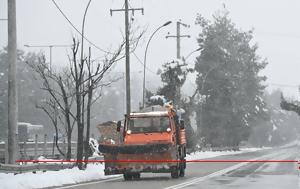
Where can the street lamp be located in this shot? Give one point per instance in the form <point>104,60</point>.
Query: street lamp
<point>199,49</point>
<point>145,58</point>
<point>50,50</point>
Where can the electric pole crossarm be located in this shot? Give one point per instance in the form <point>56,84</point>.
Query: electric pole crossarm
<point>188,36</point>
<point>185,25</point>
<point>178,36</point>
<point>170,36</point>
<point>132,10</point>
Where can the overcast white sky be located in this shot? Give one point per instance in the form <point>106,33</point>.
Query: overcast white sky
<point>276,24</point>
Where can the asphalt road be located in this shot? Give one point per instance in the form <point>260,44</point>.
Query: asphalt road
<point>219,175</point>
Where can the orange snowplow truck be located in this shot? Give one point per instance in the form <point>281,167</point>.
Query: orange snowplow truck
<point>153,141</point>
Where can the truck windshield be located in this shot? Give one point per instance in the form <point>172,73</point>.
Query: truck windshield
<point>148,124</point>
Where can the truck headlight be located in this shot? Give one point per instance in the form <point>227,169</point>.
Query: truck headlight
<point>128,132</point>
<point>168,129</point>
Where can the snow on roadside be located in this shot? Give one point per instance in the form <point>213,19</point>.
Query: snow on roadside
<point>211,154</point>
<point>52,178</point>
<point>293,143</point>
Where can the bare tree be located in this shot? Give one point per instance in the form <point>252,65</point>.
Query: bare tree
<point>51,109</point>
<point>88,76</point>
<point>60,89</point>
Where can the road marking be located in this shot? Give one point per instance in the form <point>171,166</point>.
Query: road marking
<point>217,173</point>
<point>200,179</point>
<point>89,183</point>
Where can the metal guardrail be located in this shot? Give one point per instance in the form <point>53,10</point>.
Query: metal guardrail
<point>17,169</point>
<point>32,150</point>
<point>34,167</point>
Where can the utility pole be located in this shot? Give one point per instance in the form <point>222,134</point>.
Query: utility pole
<point>127,51</point>
<point>178,36</point>
<point>12,82</point>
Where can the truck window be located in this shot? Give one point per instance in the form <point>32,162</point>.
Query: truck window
<point>148,124</point>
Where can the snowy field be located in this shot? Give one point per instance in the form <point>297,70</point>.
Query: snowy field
<point>73,176</point>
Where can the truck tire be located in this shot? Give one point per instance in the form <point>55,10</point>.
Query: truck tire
<point>181,172</point>
<point>136,175</point>
<point>175,173</point>
<point>127,176</point>
<point>130,176</point>
<point>182,166</point>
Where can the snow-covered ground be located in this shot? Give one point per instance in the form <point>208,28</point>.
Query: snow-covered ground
<point>210,154</point>
<point>51,178</point>
<point>293,143</point>
<point>73,176</point>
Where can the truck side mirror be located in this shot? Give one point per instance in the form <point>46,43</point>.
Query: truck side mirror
<point>181,124</point>
<point>118,126</point>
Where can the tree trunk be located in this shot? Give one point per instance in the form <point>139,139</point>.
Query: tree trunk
<point>69,146</point>
<point>88,124</point>
<point>80,127</point>
<point>69,134</point>
<point>56,142</point>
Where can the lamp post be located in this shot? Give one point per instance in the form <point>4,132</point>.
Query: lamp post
<point>50,50</point>
<point>199,49</point>
<point>145,58</point>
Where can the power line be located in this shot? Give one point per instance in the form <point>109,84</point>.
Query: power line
<point>139,60</point>
<point>274,34</point>
<point>283,85</point>
<point>74,27</point>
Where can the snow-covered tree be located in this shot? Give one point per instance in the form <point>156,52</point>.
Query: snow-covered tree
<point>173,77</point>
<point>282,127</point>
<point>229,82</point>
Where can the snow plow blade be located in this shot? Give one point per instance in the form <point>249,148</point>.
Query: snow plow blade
<point>133,149</point>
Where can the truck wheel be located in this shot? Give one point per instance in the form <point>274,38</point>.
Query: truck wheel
<point>182,166</point>
<point>175,173</point>
<point>136,175</point>
<point>182,172</point>
<point>127,176</point>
